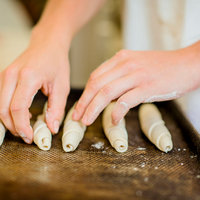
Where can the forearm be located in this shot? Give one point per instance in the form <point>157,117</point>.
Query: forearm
<point>62,19</point>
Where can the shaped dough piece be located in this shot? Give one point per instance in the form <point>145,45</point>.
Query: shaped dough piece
<point>2,132</point>
<point>73,132</point>
<point>42,135</point>
<point>154,127</point>
<point>117,135</point>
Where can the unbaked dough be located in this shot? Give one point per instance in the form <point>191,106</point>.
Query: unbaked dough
<point>2,132</point>
<point>116,134</point>
<point>42,135</point>
<point>154,127</point>
<point>73,132</point>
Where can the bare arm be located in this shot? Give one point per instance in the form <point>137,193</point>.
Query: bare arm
<point>62,19</point>
<point>43,65</point>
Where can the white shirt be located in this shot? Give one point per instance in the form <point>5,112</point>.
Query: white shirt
<point>161,24</point>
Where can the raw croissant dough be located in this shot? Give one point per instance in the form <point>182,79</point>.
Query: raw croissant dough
<point>73,132</point>
<point>2,132</point>
<point>117,135</point>
<point>42,135</point>
<point>154,127</point>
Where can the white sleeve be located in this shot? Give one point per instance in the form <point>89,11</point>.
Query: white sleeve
<point>117,135</point>
<point>73,132</point>
<point>154,127</point>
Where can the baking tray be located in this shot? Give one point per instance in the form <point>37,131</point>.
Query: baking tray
<point>186,111</point>
<point>143,172</point>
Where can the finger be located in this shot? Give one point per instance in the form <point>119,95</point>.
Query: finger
<point>94,86</point>
<point>56,105</point>
<point>8,85</point>
<point>30,115</point>
<point>22,99</point>
<point>127,101</point>
<point>108,93</point>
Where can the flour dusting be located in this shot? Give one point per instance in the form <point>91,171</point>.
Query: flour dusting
<point>162,97</point>
<point>98,145</point>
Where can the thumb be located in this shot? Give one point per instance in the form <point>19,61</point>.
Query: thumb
<point>56,107</point>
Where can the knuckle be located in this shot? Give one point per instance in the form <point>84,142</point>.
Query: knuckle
<point>106,91</point>
<point>27,73</point>
<point>16,108</point>
<point>92,85</point>
<point>129,65</point>
<point>92,76</point>
<point>8,73</point>
<point>4,113</point>
<point>123,53</point>
<point>81,105</point>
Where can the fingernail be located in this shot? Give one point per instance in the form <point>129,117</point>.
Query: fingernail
<point>74,115</point>
<point>24,137</point>
<point>26,140</point>
<point>56,125</point>
<point>84,120</point>
<point>115,122</point>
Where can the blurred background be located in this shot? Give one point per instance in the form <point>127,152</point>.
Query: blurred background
<point>102,33</point>
<point>102,37</point>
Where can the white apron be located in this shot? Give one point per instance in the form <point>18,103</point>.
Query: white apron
<point>161,24</point>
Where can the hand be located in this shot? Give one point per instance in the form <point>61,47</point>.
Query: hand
<point>135,77</point>
<point>44,65</point>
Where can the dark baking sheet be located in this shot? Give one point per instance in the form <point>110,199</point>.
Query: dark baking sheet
<point>186,112</point>
<point>88,173</point>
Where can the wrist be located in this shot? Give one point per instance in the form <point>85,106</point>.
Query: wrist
<point>50,36</point>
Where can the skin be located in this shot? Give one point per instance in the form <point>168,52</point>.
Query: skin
<point>44,65</point>
<point>134,77</point>
<point>131,77</point>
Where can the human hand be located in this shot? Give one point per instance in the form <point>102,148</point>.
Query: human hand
<point>44,65</point>
<point>135,77</point>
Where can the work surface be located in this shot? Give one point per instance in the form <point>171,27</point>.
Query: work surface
<point>143,172</point>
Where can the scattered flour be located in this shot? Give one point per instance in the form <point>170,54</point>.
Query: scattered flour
<point>142,165</point>
<point>98,145</point>
<point>155,167</point>
<point>141,149</point>
<point>198,176</point>
<point>146,179</point>
<point>139,193</point>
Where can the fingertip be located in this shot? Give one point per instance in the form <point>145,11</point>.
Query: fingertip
<point>56,126</point>
<point>27,135</point>
<point>27,140</point>
<point>85,121</point>
<point>115,118</point>
<point>75,116</point>
<point>52,124</point>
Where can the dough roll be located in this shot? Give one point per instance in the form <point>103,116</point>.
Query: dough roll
<point>73,132</point>
<point>2,132</point>
<point>117,135</point>
<point>154,127</point>
<point>42,135</point>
